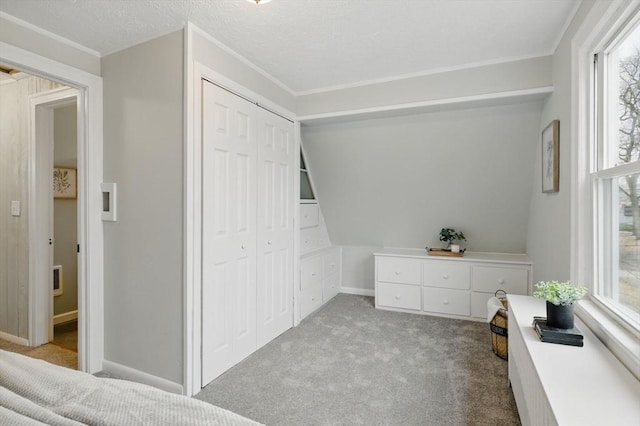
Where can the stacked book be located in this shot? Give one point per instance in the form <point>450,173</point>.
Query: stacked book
<point>572,336</point>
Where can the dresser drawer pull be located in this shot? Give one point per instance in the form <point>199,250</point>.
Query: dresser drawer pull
<point>398,272</point>
<point>445,301</point>
<point>397,297</point>
<point>445,276</point>
<point>501,281</point>
<point>313,274</point>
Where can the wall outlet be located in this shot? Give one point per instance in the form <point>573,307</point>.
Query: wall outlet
<point>15,208</point>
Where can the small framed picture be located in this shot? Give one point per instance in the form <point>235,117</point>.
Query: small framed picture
<point>65,183</point>
<point>551,157</point>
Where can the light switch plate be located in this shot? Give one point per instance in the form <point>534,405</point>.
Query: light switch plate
<point>15,208</point>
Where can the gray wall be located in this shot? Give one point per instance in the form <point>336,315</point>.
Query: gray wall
<point>14,235</point>
<point>398,181</point>
<point>549,233</point>
<point>211,55</point>
<point>65,211</point>
<point>143,142</point>
<point>35,42</point>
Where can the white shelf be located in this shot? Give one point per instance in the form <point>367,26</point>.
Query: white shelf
<point>474,101</point>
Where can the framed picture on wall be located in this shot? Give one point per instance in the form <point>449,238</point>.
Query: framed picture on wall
<point>551,157</point>
<point>65,183</point>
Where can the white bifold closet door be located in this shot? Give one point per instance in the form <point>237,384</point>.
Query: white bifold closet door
<point>275,225</point>
<point>247,228</point>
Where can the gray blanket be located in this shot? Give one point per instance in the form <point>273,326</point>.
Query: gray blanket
<point>34,392</point>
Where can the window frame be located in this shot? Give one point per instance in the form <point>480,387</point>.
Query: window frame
<point>605,170</point>
<point>601,23</point>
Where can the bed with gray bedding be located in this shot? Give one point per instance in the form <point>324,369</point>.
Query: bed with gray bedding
<point>34,392</point>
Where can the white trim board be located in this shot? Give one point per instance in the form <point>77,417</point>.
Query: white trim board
<point>65,317</point>
<point>123,372</point>
<point>13,339</point>
<point>90,161</point>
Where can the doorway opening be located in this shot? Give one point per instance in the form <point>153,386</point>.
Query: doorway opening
<point>34,324</point>
<point>36,112</point>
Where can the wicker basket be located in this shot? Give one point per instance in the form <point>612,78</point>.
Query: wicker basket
<point>499,326</point>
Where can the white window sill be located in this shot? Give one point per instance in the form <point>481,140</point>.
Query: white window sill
<point>624,344</point>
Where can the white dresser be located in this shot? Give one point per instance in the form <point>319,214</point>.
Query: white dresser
<point>409,280</point>
<point>320,278</point>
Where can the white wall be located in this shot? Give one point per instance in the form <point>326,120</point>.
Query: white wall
<point>36,42</point>
<point>398,181</point>
<point>549,231</point>
<point>143,142</point>
<point>14,231</point>
<point>65,211</point>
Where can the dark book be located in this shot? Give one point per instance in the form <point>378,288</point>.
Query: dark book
<point>569,342</point>
<point>544,331</point>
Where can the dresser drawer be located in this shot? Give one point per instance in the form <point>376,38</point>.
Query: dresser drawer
<point>331,287</point>
<point>331,262</point>
<point>489,279</point>
<point>310,298</point>
<point>445,301</point>
<point>400,296</point>
<point>310,272</point>
<point>309,215</point>
<point>446,274</point>
<point>397,270</point>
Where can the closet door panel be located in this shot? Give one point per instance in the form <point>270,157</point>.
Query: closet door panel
<point>275,225</point>
<point>228,230</point>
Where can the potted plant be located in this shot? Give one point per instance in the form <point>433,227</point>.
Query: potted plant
<point>449,235</point>
<point>560,297</point>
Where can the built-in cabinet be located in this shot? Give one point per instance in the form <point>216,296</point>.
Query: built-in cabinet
<point>248,232</point>
<point>320,263</point>
<point>320,278</point>
<point>410,280</point>
<point>566,385</point>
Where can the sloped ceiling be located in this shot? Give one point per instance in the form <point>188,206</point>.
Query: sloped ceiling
<point>311,45</point>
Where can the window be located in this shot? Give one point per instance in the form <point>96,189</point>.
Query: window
<point>615,175</point>
<point>306,191</point>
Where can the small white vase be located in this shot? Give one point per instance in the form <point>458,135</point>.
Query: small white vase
<point>455,248</point>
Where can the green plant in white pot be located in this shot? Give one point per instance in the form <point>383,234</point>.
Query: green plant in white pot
<point>450,236</point>
<point>560,297</point>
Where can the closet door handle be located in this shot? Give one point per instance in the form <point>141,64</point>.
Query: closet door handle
<point>243,247</point>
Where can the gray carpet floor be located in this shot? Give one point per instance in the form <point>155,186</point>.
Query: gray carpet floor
<point>350,364</point>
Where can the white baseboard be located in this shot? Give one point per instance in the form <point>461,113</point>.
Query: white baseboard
<point>14,339</point>
<point>358,291</point>
<point>123,372</point>
<point>65,317</point>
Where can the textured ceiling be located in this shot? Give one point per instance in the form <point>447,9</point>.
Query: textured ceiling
<point>315,44</point>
